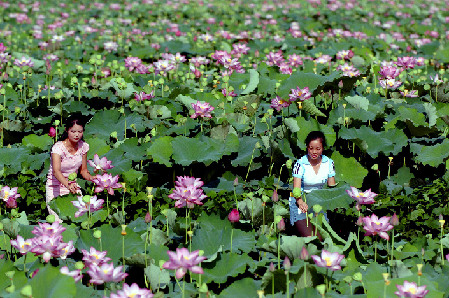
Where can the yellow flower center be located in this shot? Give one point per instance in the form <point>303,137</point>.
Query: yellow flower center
<point>281,102</point>
<point>413,291</point>
<point>328,261</point>
<point>377,223</point>
<point>6,195</point>
<point>187,258</point>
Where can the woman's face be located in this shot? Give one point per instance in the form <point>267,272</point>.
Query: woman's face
<point>315,149</point>
<point>75,133</point>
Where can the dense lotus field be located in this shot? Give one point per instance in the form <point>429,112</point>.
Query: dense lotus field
<point>197,111</point>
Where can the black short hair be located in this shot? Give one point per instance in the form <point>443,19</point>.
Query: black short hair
<point>316,135</point>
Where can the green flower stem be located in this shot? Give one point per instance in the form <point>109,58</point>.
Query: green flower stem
<point>263,218</point>
<point>272,284</point>
<point>392,246</point>
<point>279,250</point>
<point>232,234</point>
<point>305,274</point>
<point>251,161</point>
<point>375,251</point>
<point>107,203</point>
<point>441,246</point>
<point>123,252</point>
<point>146,259</point>
<point>288,281</point>
<point>24,263</point>
<point>123,205</point>
<point>187,215</point>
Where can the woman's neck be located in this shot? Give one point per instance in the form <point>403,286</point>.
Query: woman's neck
<point>70,144</point>
<point>314,162</point>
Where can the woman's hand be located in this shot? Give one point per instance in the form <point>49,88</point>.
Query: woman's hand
<point>72,187</point>
<point>302,205</point>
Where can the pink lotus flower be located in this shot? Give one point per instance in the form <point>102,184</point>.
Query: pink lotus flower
<point>330,260</point>
<point>24,62</point>
<point>389,83</point>
<point>132,291</point>
<point>406,62</point>
<point>345,54</point>
<point>132,63</point>
<point>7,193</point>
<point>76,274</point>
<point>106,181</point>
<point>377,226</point>
<point>300,94</point>
<point>52,132</point>
<point>182,260</point>
<point>187,192</point>
<point>93,205</point>
<point>50,230</point>
<point>411,289</point>
<point>409,93</point>
<point>278,103</point>
<point>22,245</point>
<point>105,273</point>
<point>389,72</point>
<point>202,109</point>
<point>234,215</point>
<point>100,164</point>
<point>94,256</point>
<point>50,247</point>
<point>281,225</point>
<point>140,96</point>
<point>362,198</point>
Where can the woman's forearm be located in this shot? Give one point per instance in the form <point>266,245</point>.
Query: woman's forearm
<point>63,180</point>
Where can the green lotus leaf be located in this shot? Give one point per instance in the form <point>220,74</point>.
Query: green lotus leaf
<point>156,237</point>
<point>176,46</point>
<point>253,82</point>
<point>63,206</point>
<point>266,85</point>
<point>250,208</point>
<point>239,121</point>
<point>302,79</point>
<point>431,155</point>
<point>330,198</point>
<point>249,285</point>
<point>103,123</point>
<point>284,145</point>
<point>292,246</point>
<point>247,151</point>
<point>358,102</point>
<point>161,150</point>
<point>226,265</point>
<point>121,163</point>
<point>186,100</point>
<point>403,176</point>
<point>111,241</point>
<point>372,142</point>
<point>97,146</point>
<point>160,112</point>
<point>309,107</point>
<point>122,93</point>
<point>42,142</point>
<point>132,149</point>
<point>159,278</point>
<point>155,254</point>
<point>133,177</point>
<point>214,233</point>
<point>413,115</point>
<point>50,283</point>
<point>348,170</point>
<point>431,112</point>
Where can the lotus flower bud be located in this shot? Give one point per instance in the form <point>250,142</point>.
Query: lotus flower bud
<point>281,225</point>
<point>236,181</point>
<point>289,164</point>
<point>394,220</point>
<point>123,230</point>
<point>321,289</point>
<point>234,216</point>
<point>304,254</point>
<point>317,208</point>
<point>272,268</point>
<point>148,217</point>
<point>52,132</point>
<point>340,84</point>
<point>275,196</point>
<point>419,266</point>
<point>287,264</point>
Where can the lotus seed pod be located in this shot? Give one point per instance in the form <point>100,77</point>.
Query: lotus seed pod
<point>289,164</point>
<point>86,199</point>
<point>321,289</point>
<point>27,291</point>
<point>297,192</point>
<point>123,230</point>
<point>10,274</point>
<point>348,279</point>
<point>11,289</point>
<point>357,276</point>
<point>51,218</point>
<point>79,265</point>
<point>317,208</point>
<point>97,234</point>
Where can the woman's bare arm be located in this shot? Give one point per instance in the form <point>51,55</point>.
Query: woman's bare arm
<point>301,204</point>
<point>84,171</point>
<point>56,165</point>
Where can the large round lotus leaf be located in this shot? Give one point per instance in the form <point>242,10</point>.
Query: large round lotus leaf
<point>431,155</point>
<point>242,288</point>
<point>19,277</point>
<point>358,102</point>
<point>50,283</point>
<point>226,265</point>
<point>330,198</point>
<point>103,123</point>
<point>372,142</point>
<point>42,142</point>
<point>247,150</point>
<point>214,233</point>
<point>348,170</point>
<point>111,241</point>
<point>161,150</point>
<point>159,278</point>
<point>97,146</point>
